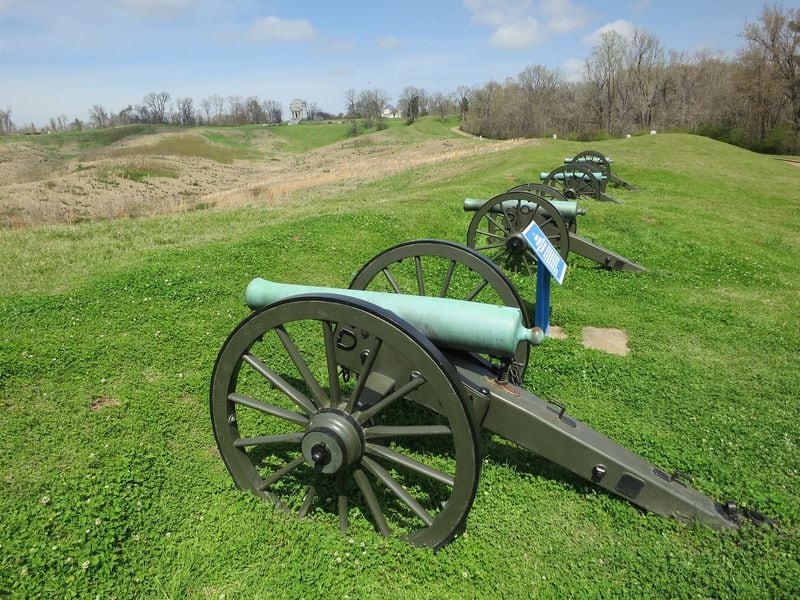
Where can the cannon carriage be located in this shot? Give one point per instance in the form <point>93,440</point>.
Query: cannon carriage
<point>599,162</point>
<point>368,404</point>
<point>578,180</point>
<point>497,225</point>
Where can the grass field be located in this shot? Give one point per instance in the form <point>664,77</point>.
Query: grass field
<point>112,484</point>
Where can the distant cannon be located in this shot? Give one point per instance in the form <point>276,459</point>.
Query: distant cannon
<point>597,161</point>
<point>574,180</point>
<point>327,400</point>
<point>497,226</point>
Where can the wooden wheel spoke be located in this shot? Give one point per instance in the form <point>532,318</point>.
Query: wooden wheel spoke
<point>447,278</point>
<point>279,382</point>
<point>387,401</point>
<point>409,463</point>
<point>372,502</point>
<point>420,276</point>
<point>282,472</point>
<point>527,265</point>
<point>333,367</point>
<point>309,499</point>
<point>341,502</point>
<point>495,236</point>
<point>499,224</point>
<point>506,214</point>
<point>269,409</point>
<point>478,289</point>
<point>320,398</point>
<point>398,490</point>
<point>548,220</point>
<point>382,431</point>
<point>392,281</point>
<point>364,375</point>
<point>490,246</point>
<point>264,440</point>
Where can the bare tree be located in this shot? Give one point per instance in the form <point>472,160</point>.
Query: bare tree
<point>461,99</point>
<point>98,117</point>
<point>777,35</point>
<point>156,106</point>
<point>350,100</point>
<point>412,103</point>
<point>603,74</point>
<point>644,75</point>
<point>273,110</point>
<point>441,104</point>
<point>6,125</point>
<point>184,112</point>
<point>540,87</point>
<point>205,106</point>
<point>123,117</point>
<point>237,112</point>
<point>218,104</point>
<point>254,112</point>
<point>370,105</point>
<point>312,109</point>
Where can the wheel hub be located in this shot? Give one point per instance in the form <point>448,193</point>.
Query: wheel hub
<point>515,244</point>
<point>333,441</point>
<point>570,194</point>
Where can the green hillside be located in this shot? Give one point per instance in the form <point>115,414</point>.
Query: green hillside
<point>112,484</point>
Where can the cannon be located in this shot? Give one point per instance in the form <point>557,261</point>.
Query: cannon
<point>497,225</point>
<point>574,180</point>
<point>597,161</point>
<point>324,400</point>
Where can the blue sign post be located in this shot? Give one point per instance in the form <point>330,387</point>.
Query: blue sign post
<point>554,266</point>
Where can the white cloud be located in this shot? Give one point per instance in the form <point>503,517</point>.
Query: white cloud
<point>497,13</point>
<point>565,16</point>
<point>519,24</point>
<point>622,27</point>
<point>388,43</point>
<point>276,29</point>
<point>518,35</point>
<point>573,69</point>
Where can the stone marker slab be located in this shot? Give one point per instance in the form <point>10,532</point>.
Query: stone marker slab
<point>614,341</point>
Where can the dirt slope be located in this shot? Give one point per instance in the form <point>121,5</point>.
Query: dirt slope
<point>156,174</point>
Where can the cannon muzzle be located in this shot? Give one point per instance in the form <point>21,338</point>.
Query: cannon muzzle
<point>450,323</point>
<point>568,210</point>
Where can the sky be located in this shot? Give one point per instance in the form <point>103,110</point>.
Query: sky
<point>60,57</point>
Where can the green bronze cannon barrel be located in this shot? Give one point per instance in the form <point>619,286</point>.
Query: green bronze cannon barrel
<point>456,324</point>
<point>568,210</point>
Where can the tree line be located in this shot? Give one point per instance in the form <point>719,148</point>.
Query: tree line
<point>628,85</point>
<point>635,84</point>
<point>159,108</point>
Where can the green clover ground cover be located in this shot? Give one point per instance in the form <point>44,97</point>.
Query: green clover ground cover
<point>112,485</point>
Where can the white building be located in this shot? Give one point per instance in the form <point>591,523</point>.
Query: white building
<point>298,111</point>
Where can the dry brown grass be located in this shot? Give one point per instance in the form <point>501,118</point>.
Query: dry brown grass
<point>37,187</point>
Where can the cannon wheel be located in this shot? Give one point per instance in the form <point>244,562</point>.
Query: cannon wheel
<point>496,230</point>
<point>448,270</point>
<point>597,160</point>
<point>548,193</point>
<point>322,402</point>
<point>586,184</point>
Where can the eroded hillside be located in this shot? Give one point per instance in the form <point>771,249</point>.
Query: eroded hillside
<point>136,171</point>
